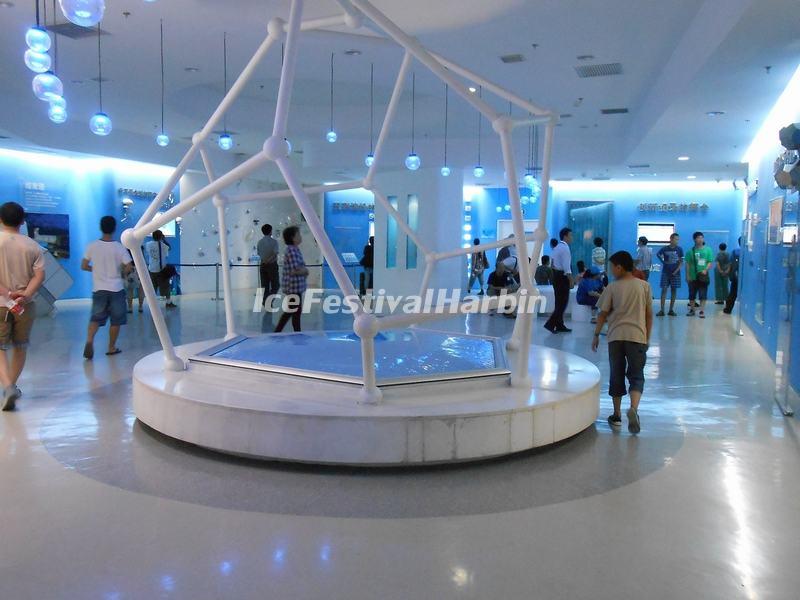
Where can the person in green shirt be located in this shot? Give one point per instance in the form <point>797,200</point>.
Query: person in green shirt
<point>699,260</point>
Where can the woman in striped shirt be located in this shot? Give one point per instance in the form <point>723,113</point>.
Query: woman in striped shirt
<point>293,280</point>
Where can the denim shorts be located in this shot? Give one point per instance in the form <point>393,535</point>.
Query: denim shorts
<point>626,360</point>
<point>107,305</point>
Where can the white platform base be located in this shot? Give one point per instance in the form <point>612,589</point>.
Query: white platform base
<point>282,417</point>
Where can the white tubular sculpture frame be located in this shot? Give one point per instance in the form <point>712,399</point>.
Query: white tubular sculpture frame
<point>356,13</point>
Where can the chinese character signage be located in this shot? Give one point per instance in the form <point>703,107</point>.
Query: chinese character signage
<point>674,207</point>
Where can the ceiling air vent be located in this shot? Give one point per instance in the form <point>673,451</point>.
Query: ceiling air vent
<point>603,178</point>
<point>566,116</point>
<point>606,70</point>
<point>512,58</point>
<point>642,166</point>
<point>75,32</point>
<point>614,111</point>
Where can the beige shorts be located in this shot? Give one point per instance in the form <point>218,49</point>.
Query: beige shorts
<point>16,330</point>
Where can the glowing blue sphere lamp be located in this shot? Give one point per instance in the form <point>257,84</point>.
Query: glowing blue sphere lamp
<point>37,39</point>
<point>100,124</point>
<point>413,162</point>
<point>86,13</point>
<point>331,136</point>
<point>38,62</point>
<point>57,113</point>
<point>225,141</point>
<point>445,171</point>
<point>478,171</point>
<point>47,86</point>
<point>369,160</point>
<point>162,139</point>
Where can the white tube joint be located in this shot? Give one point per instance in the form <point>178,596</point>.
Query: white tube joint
<point>365,325</point>
<point>220,201</point>
<point>129,239</point>
<point>276,147</point>
<point>503,124</point>
<point>276,28</point>
<point>198,138</point>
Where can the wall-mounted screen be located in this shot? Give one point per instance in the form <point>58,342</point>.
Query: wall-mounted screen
<point>50,231</point>
<point>656,233</point>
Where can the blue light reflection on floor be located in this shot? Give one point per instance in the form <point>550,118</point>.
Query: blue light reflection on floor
<point>397,353</point>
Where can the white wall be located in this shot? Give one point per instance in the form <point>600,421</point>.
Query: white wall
<point>440,222</point>
<point>199,243</point>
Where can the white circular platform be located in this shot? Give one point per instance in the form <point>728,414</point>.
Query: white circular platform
<point>285,417</point>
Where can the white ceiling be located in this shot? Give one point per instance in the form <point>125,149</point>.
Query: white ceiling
<point>680,59</point>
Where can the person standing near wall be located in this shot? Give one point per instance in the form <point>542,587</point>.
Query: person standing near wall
<point>561,258</point>
<point>627,306</point>
<point>368,262</point>
<point>106,260</point>
<point>267,250</point>
<point>730,301</point>
<point>699,261</point>
<point>133,285</point>
<point>722,272</point>
<point>157,251</point>
<point>479,263</point>
<point>599,258</point>
<point>21,276</point>
<point>544,273</point>
<point>671,258</point>
<point>295,274</point>
<point>644,258</point>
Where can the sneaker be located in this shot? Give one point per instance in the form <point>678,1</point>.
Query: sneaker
<point>672,313</point>
<point>633,421</point>
<point>690,313</point>
<point>615,422</point>
<point>660,313</point>
<point>726,311</point>
<point>10,396</point>
<point>701,314</point>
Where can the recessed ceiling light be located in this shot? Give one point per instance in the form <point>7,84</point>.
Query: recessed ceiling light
<point>692,177</point>
<point>631,174</point>
<point>683,158</point>
<point>586,57</point>
<point>77,81</point>
<point>6,4</point>
<point>191,69</point>
<point>715,113</point>
<point>352,52</point>
<point>473,89</point>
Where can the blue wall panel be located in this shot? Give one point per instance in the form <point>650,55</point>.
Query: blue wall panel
<point>347,215</point>
<point>84,189</point>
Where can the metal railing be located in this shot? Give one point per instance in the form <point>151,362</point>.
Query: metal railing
<point>352,270</point>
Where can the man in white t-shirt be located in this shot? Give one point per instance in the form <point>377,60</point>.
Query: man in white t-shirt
<point>21,276</point>
<point>107,261</point>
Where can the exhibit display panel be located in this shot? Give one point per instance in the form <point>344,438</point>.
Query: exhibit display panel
<point>405,356</point>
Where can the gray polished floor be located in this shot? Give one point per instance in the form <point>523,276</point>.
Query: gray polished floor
<point>703,504</point>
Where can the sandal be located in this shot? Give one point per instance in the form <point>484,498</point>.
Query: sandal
<point>88,352</point>
<point>113,352</point>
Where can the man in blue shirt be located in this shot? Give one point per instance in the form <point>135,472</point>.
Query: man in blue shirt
<point>671,258</point>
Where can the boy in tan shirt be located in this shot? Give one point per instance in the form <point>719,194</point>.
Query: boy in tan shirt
<point>627,306</point>
<point>21,276</point>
